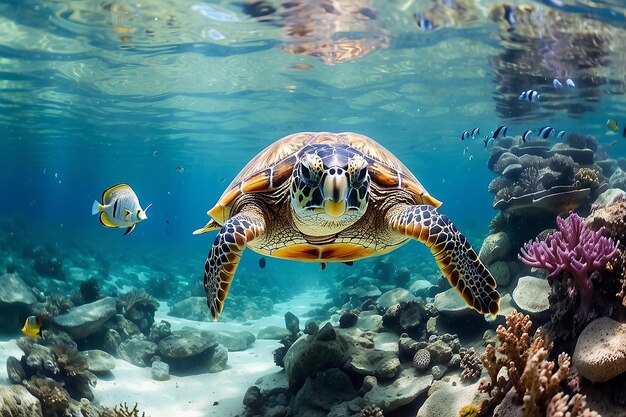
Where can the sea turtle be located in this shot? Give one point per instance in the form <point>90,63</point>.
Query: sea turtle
<point>334,197</point>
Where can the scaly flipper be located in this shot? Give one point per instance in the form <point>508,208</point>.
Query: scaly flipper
<point>453,253</point>
<point>225,254</point>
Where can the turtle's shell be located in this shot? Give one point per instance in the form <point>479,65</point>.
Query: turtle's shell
<point>273,166</point>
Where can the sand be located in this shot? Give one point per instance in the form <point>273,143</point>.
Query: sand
<point>201,395</point>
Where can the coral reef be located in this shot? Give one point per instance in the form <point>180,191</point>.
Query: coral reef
<point>54,399</point>
<point>575,248</point>
<point>139,307</point>
<point>522,365</point>
<point>372,411</point>
<point>562,406</point>
<point>470,363</point>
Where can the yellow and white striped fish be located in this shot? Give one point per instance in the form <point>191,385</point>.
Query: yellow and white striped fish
<point>120,208</point>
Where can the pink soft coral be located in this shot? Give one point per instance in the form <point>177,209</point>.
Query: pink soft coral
<point>574,248</point>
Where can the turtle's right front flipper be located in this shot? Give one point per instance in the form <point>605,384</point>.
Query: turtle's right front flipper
<point>453,253</point>
<point>223,259</point>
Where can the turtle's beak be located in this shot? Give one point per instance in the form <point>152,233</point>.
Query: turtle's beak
<point>335,190</point>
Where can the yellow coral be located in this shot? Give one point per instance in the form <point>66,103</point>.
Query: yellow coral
<point>469,411</point>
<point>588,178</point>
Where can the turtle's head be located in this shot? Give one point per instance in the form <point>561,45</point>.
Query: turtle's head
<point>329,189</point>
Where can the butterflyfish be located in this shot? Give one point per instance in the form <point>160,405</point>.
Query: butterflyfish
<point>120,208</point>
<point>32,327</point>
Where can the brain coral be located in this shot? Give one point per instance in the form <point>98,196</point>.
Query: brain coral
<point>599,355</point>
<point>421,360</point>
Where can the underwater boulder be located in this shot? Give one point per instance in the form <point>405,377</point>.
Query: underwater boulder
<point>318,395</point>
<point>495,247</point>
<point>402,391</point>
<point>599,354</point>
<point>16,401</point>
<point>310,355</point>
<point>273,333</point>
<point>138,352</point>
<point>99,361</point>
<point>191,351</point>
<point>15,299</point>
<point>192,308</point>
<point>531,297</point>
<point>501,273</point>
<point>448,400</point>
<point>394,296</point>
<point>81,321</point>
<point>234,341</point>
<point>379,363</point>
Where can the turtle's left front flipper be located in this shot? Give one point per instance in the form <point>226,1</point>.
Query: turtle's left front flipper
<point>453,253</point>
<point>222,262</point>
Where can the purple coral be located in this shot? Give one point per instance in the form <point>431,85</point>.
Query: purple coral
<point>574,248</point>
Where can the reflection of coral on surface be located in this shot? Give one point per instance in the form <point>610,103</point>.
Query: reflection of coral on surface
<point>574,248</point>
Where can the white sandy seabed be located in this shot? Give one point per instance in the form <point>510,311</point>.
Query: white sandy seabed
<point>203,395</point>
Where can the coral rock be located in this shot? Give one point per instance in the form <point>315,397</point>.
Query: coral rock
<point>599,355</point>
<point>16,401</point>
<point>86,319</point>
<point>421,360</point>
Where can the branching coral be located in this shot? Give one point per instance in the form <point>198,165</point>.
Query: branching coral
<point>54,399</point>
<point>470,363</point>
<point>70,360</point>
<point>529,180</point>
<point>541,382</point>
<point>588,178</point>
<point>138,297</point>
<point>575,248</point>
<point>562,406</point>
<point>522,365</point>
<point>372,411</point>
<point>123,411</point>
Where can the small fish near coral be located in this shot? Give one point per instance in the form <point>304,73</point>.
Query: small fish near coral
<point>262,262</point>
<point>612,125</point>
<point>33,327</point>
<point>530,95</point>
<point>120,208</point>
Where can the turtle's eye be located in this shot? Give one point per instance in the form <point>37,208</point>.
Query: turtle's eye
<point>307,175</point>
<point>309,169</point>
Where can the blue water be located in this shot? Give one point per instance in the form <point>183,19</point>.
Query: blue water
<point>98,93</point>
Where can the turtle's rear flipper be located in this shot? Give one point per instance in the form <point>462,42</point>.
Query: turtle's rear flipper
<point>225,254</point>
<point>455,257</point>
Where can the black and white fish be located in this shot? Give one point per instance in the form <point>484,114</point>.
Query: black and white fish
<point>475,132</point>
<point>465,135</point>
<point>560,135</point>
<point>570,83</point>
<point>530,95</point>
<point>545,132</point>
<point>466,150</point>
<point>527,135</point>
<point>556,83</point>
<point>120,208</point>
<point>500,130</point>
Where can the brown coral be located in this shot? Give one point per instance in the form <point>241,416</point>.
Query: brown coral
<point>70,359</point>
<point>562,406</point>
<point>588,178</point>
<point>612,218</point>
<point>470,363</point>
<point>524,366</point>
<point>121,411</point>
<point>54,399</point>
<point>372,411</point>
